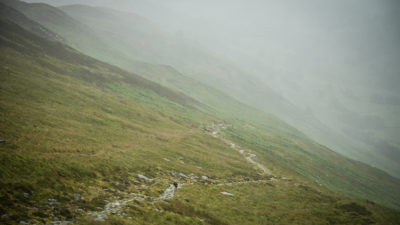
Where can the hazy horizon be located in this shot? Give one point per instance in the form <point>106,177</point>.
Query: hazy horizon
<point>337,61</point>
<point>199,112</point>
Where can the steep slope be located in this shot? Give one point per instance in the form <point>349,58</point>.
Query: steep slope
<point>80,133</point>
<point>66,129</point>
<point>143,41</point>
<point>268,134</point>
<point>150,43</point>
<point>349,78</point>
<point>72,31</point>
<point>330,113</point>
<point>7,12</point>
<point>136,39</point>
<point>232,111</point>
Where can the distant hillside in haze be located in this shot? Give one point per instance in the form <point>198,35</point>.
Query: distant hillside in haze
<point>338,73</point>
<point>88,142</point>
<point>101,20</point>
<point>127,40</point>
<point>7,12</point>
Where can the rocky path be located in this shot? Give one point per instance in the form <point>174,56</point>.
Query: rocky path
<point>118,203</point>
<point>116,207</point>
<point>250,159</point>
<point>168,193</point>
<point>215,131</point>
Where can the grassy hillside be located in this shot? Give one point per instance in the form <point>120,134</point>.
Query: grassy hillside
<point>73,32</point>
<point>105,21</point>
<point>78,133</point>
<point>126,40</point>
<point>341,120</point>
<point>277,140</point>
<point>17,17</point>
<point>135,39</point>
<point>143,41</point>
<point>66,128</point>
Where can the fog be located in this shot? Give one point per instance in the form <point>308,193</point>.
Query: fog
<point>337,62</point>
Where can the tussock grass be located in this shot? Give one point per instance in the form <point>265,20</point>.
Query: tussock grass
<point>74,125</point>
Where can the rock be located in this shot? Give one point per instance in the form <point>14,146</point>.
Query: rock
<point>100,218</point>
<point>183,175</point>
<point>79,210</point>
<point>241,151</point>
<point>3,141</point>
<point>227,194</point>
<point>61,222</point>
<point>5,216</point>
<point>26,195</point>
<point>51,201</point>
<point>77,197</point>
<point>167,159</point>
<point>168,193</point>
<point>204,177</point>
<point>113,207</point>
<point>192,176</point>
<point>145,178</point>
<point>23,223</point>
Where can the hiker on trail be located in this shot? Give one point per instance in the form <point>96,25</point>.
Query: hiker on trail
<point>175,186</point>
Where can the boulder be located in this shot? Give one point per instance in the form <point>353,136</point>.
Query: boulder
<point>183,175</point>
<point>227,193</point>
<point>143,177</point>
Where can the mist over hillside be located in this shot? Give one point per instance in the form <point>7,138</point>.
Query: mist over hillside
<point>187,112</point>
<point>337,62</point>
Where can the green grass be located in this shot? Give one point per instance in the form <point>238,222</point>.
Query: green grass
<point>322,165</point>
<point>276,141</point>
<point>77,125</point>
<point>63,129</point>
<point>279,202</point>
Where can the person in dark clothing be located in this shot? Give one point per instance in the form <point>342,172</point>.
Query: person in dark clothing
<point>175,186</point>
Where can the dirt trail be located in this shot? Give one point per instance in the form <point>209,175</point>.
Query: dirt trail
<point>168,193</point>
<point>250,159</point>
<point>117,206</point>
<point>215,131</point>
